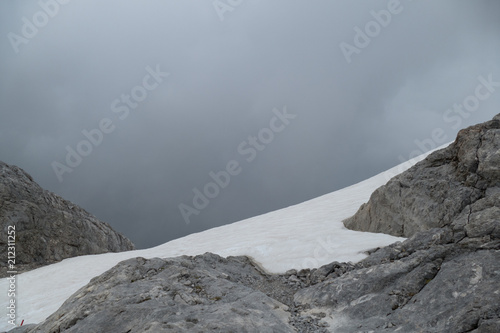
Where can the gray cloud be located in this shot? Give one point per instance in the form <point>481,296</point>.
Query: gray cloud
<point>353,119</point>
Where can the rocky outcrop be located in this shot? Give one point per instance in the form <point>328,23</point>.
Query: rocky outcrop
<point>205,293</point>
<point>434,192</point>
<point>48,228</point>
<point>444,278</point>
<point>429,283</point>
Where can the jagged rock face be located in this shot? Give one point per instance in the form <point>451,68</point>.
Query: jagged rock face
<point>429,283</point>
<point>185,294</point>
<point>49,228</point>
<point>205,293</point>
<point>444,278</point>
<point>434,192</point>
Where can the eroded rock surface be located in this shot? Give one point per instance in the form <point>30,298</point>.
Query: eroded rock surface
<point>48,228</point>
<point>436,190</point>
<point>444,278</point>
<point>205,293</point>
<point>428,283</point>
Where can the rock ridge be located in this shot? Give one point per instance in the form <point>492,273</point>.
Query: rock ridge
<point>48,227</point>
<point>435,191</point>
<point>443,278</point>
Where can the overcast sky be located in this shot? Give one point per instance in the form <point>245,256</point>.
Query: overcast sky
<point>294,98</point>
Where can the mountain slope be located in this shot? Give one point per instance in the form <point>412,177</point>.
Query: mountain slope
<point>307,235</point>
<point>436,191</point>
<point>444,278</point>
<point>47,227</point>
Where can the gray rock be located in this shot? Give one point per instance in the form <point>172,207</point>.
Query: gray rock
<point>443,278</point>
<point>185,294</point>
<point>48,228</point>
<point>436,190</point>
<point>459,297</point>
<point>436,290</point>
<point>23,329</point>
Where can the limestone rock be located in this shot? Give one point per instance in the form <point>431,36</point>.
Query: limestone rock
<point>436,190</point>
<point>48,228</point>
<point>186,294</point>
<point>443,278</point>
<point>428,283</point>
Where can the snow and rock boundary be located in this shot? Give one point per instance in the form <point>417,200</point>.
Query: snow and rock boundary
<point>444,278</point>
